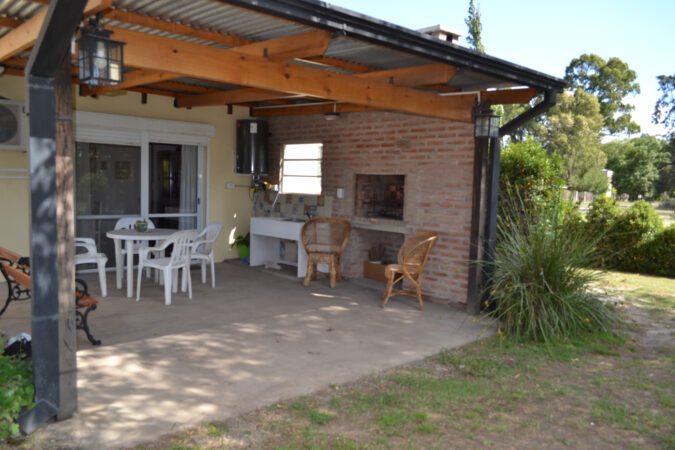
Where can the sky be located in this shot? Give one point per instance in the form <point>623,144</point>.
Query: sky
<point>545,35</point>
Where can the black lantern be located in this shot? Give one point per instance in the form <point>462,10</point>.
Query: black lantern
<point>100,59</point>
<point>487,123</point>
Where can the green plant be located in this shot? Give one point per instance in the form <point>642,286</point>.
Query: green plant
<point>539,287</point>
<point>657,255</point>
<point>531,174</point>
<point>16,393</point>
<point>242,240</point>
<point>629,231</point>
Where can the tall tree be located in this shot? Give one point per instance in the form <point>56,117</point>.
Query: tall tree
<point>664,113</point>
<point>475,28</point>
<point>572,129</point>
<point>664,110</point>
<point>636,164</point>
<point>610,81</point>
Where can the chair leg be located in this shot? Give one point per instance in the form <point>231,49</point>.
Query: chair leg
<point>387,290</point>
<point>188,278</point>
<point>168,283</point>
<point>138,281</point>
<point>333,273</point>
<point>203,264</point>
<point>102,279</point>
<point>308,276</point>
<point>174,281</point>
<point>419,296</point>
<point>213,273</point>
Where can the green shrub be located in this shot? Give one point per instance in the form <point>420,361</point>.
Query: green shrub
<point>530,173</point>
<point>539,286</point>
<point>16,393</point>
<point>630,230</point>
<point>657,255</point>
<point>600,220</point>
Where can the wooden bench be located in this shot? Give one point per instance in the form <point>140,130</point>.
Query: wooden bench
<point>17,275</point>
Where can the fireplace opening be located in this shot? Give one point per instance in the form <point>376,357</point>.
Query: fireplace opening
<point>379,196</point>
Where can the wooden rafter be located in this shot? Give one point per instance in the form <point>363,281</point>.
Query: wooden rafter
<point>146,51</point>
<point>175,28</point>
<point>24,36</point>
<point>7,22</point>
<point>414,76</point>
<point>508,96</point>
<point>322,108</point>
<point>233,97</point>
<point>132,79</point>
<point>302,45</point>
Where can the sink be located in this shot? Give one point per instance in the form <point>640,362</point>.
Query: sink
<point>290,219</point>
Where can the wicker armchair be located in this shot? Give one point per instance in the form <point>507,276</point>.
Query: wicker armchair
<point>324,239</point>
<point>412,258</point>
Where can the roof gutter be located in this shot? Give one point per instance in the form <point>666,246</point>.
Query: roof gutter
<point>322,15</point>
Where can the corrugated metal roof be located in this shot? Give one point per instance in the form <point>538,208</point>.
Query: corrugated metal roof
<point>356,39</point>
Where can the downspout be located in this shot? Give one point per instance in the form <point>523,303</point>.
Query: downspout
<point>493,179</point>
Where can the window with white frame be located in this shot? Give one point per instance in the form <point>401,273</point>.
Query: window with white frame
<point>301,169</point>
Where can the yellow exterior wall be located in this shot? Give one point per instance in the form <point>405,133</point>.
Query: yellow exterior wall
<point>231,207</point>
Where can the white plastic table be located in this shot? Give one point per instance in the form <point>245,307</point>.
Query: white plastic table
<point>128,236</point>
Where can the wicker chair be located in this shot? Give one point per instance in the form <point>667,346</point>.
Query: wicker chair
<point>412,257</point>
<point>324,239</point>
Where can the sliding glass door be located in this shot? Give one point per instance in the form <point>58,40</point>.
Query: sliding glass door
<point>174,186</point>
<point>159,181</point>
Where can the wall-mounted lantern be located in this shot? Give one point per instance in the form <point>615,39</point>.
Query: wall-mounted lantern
<point>100,59</point>
<point>487,123</point>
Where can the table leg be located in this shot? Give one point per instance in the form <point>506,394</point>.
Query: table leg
<point>130,267</point>
<point>118,262</point>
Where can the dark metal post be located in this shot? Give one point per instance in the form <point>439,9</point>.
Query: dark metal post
<point>477,226</point>
<point>50,350</point>
<point>492,209</point>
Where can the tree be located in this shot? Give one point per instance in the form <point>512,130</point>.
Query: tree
<point>593,180</point>
<point>571,129</point>
<point>475,28</point>
<point>636,164</point>
<point>610,81</point>
<point>664,110</point>
<point>529,173</point>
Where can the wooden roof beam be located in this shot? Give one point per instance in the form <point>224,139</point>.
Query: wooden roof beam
<point>508,96</point>
<point>191,60</point>
<point>414,76</point>
<point>235,96</point>
<point>303,110</point>
<point>175,28</point>
<point>304,45</point>
<point>7,22</point>
<point>132,79</point>
<point>24,36</point>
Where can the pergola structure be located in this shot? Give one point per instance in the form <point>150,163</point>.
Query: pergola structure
<point>276,57</point>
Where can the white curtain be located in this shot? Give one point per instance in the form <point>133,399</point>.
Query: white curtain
<point>188,185</point>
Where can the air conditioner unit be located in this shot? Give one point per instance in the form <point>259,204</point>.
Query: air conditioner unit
<point>12,125</point>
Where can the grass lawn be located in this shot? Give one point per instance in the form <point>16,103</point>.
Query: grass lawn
<point>613,390</point>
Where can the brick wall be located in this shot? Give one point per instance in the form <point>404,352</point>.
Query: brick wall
<point>436,157</point>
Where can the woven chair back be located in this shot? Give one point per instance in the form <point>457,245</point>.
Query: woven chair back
<point>415,251</point>
<point>325,235</point>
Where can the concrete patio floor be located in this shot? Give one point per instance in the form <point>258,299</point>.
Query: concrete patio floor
<point>258,338</point>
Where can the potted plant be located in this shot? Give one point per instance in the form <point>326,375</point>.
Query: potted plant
<point>243,244</point>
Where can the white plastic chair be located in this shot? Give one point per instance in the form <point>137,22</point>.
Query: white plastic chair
<point>92,256</point>
<point>169,265</point>
<point>202,249</point>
